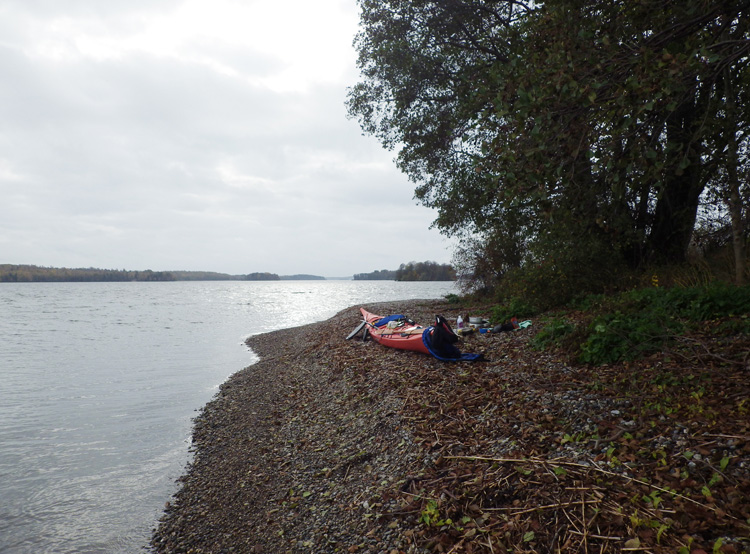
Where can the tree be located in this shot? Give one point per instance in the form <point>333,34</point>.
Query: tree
<point>730,184</point>
<point>425,271</point>
<point>593,119</point>
<point>377,275</point>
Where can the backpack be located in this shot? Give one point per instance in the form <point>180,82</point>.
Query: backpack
<point>444,331</point>
<point>442,338</point>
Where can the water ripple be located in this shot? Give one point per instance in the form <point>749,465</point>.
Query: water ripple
<point>100,381</point>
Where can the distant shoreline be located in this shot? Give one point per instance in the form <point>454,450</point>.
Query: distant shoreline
<point>36,274</point>
<point>10,273</point>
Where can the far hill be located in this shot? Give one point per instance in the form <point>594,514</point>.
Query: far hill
<point>204,276</point>
<point>302,277</point>
<point>36,274</point>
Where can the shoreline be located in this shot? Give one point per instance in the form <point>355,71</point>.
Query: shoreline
<point>326,445</point>
<point>287,453</point>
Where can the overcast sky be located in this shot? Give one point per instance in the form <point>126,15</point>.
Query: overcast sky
<point>195,134</point>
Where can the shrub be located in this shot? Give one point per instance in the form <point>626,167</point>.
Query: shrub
<point>641,321</point>
<point>452,298</point>
<point>553,333</point>
<point>514,307</point>
<point>709,302</point>
<point>622,336</point>
<point>558,281</point>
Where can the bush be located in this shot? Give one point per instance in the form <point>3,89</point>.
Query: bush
<point>514,307</point>
<point>452,298</point>
<point>553,333</point>
<point>620,336</point>
<point>590,302</point>
<point>558,281</point>
<point>641,321</point>
<point>709,302</point>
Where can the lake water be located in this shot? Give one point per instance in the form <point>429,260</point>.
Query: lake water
<point>99,383</point>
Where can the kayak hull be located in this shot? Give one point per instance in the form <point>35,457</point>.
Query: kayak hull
<point>405,337</point>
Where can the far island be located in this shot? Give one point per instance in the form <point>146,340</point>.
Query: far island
<point>413,271</point>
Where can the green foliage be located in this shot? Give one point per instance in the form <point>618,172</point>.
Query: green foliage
<point>483,260</point>
<point>553,333</point>
<point>740,326</point>
<point>431,517</point>
<point>590,302</point>
<point>262,276</point>
<point>378,275</point>
<point>425,271</point>
<point>452,298</point>
<point>642,323</point>
<point>514,307</point>
<point>631,324</point>
<point>529,127</point>
<point>576,271</point>
<point>709,302</point>
<point>622,337</point>
<point>36,274</point>
<point>413,271</point>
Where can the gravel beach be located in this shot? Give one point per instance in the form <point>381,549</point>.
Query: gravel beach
<point>327,445</point>
<point>290,451</point>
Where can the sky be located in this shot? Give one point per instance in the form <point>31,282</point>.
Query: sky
<point>205,135</point>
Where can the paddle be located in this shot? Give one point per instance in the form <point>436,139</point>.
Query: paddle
<point>357,330</point>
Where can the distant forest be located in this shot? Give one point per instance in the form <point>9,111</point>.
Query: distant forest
<point>413,271</point>
<point>35,274</point>
<point>379,275</point>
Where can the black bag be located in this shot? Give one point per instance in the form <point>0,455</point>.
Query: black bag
<point>444,330</point>
<point>442,338</point>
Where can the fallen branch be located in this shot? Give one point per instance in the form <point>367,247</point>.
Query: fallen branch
<point>689,341</point>
<point>601,537</point>
<point>546,507</point>
<point>558,463</point>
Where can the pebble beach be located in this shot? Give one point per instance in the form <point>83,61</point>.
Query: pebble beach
<point>327,445</point>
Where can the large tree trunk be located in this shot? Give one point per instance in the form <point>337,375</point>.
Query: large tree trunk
<point>738,231</point>
<point>677,203</point>
<point>733,197</point>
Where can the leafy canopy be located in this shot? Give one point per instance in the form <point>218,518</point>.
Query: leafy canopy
<point>539,129</point>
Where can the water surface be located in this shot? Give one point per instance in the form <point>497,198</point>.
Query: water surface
<point>99,383</point>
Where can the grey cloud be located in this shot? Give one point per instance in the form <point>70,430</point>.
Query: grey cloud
<point>153,162</point>
<point>77,8</point>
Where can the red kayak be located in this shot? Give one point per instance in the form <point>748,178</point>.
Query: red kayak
<point>396,332</point>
